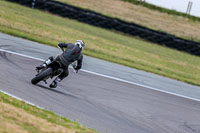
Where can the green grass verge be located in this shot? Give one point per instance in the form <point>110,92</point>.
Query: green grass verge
<point>164,10</point>
<point>41,114</point>
<point>50,29</point>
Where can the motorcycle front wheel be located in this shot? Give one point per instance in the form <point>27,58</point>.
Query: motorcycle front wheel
<point>44,74</point>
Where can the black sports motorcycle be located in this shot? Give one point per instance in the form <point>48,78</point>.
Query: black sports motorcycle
<point>52,70</point>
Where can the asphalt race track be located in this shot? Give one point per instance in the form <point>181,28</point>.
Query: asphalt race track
<point>107,105</point>
<point>142,78</point>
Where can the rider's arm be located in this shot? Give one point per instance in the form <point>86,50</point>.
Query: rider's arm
<point>63,45</point>
<point>79,63</point>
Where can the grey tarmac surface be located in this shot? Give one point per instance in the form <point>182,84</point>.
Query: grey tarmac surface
<point>104,104</point>
<point>34,49</point>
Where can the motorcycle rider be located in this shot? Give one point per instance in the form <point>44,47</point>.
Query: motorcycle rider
<point>71,53</point>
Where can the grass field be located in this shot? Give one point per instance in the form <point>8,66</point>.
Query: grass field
<point>19,117</point>
<point>50,29</point>
<point>173,24</point>
<point>164,10</point>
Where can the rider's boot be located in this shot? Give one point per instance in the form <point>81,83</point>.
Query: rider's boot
<point>55,83</point>
<point>45,64</point>
<point>40,67</point>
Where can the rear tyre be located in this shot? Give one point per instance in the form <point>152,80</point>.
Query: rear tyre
<point>41,76</point>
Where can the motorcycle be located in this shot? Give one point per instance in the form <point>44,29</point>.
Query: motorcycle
<point>52,70</point>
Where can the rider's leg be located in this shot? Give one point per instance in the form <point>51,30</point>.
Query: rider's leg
<point>46,63</point>
<point>59,78</point>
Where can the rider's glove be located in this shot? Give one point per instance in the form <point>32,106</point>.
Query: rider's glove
<point>59,46</point>
<point>76,69</point>
<point>60,43</point>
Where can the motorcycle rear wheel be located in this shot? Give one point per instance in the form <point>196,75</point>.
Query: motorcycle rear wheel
<point>41,76</point>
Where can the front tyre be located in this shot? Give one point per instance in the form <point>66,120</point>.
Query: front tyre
<point>41,76</point>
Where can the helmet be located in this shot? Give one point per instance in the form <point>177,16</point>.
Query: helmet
<point>80,43</point>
